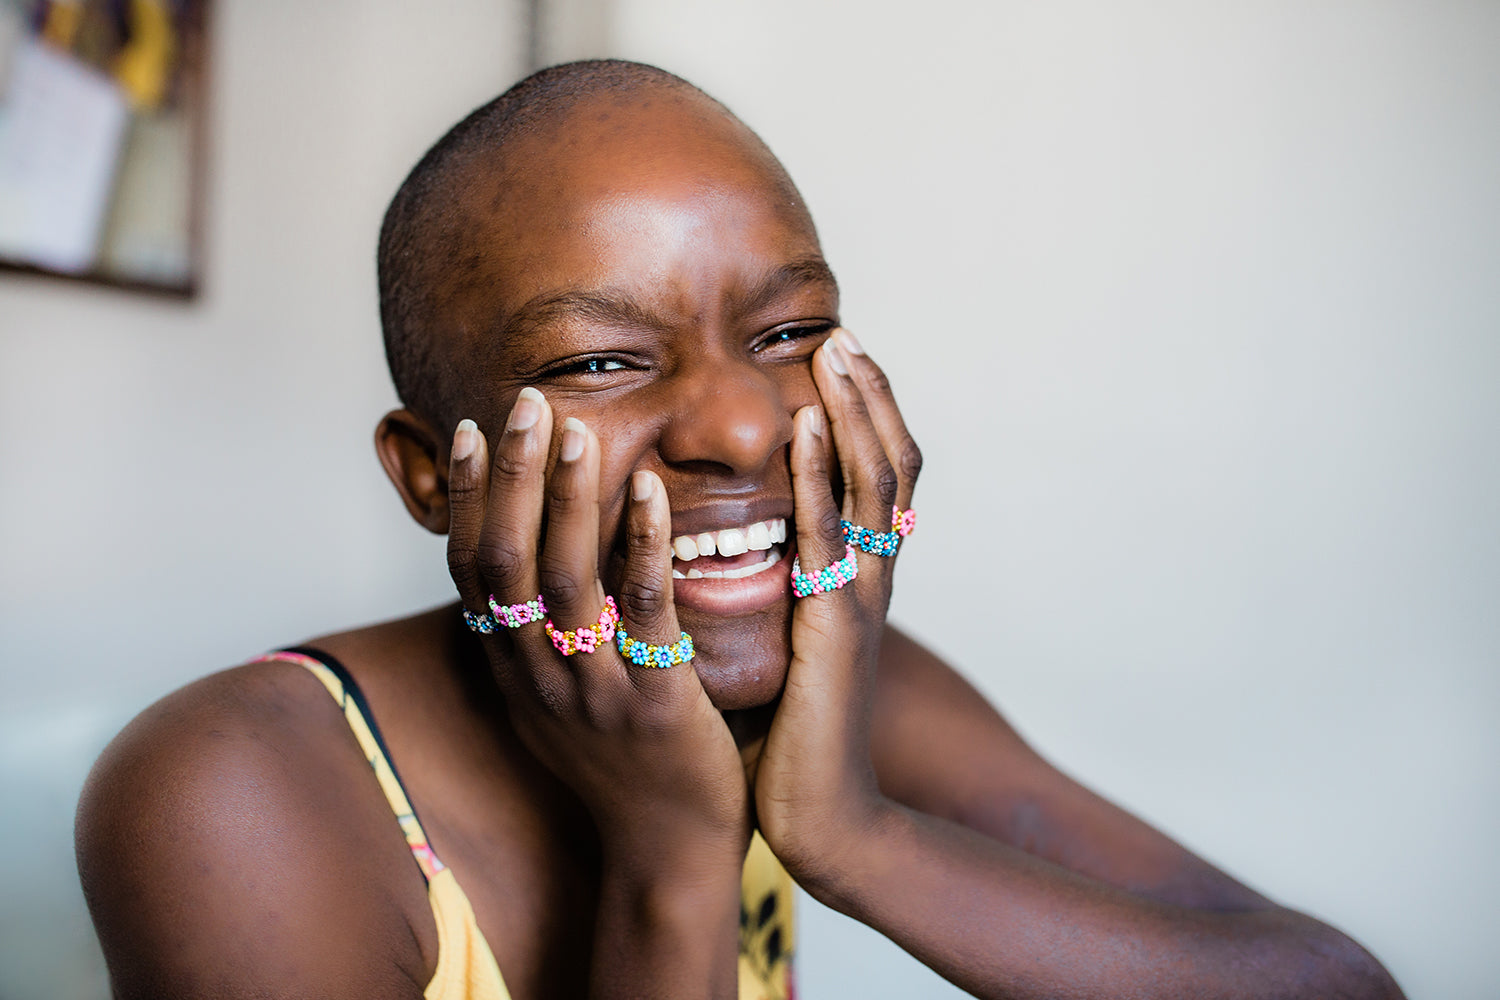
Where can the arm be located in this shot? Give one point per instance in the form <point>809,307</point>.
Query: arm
<point>231,845</point>
<point>1109,908</point>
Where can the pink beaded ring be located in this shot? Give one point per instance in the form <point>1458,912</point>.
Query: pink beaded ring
<point>903,522</point>
<point>589,638</point>
<point>830,577</point>
<point>516,615</point>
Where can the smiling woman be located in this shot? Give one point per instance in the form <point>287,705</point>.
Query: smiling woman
<point>674,490</point>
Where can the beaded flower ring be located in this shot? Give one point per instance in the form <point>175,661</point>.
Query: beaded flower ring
<point>587,639</point>
<point>644,654</point>
<point>479,622</point>
<point>830,577</point>
<point>877,543</point>
<point>516,615</point>
<point>903,522</point>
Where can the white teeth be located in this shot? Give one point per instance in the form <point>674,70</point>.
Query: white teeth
<point>772,558</point>
<point>757,537</point>
<point>732,542</point>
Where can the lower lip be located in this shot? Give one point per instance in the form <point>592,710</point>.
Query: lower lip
<point>736,596</point>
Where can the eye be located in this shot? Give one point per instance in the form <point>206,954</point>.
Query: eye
<point>596,365</point>
<point>791,338</point>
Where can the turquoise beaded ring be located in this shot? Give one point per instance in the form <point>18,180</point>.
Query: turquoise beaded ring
<point>877,543</point>
<point>479,622</point>
<point>644,654</point>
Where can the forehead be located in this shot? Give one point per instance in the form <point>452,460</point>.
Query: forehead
<point>661,193</point>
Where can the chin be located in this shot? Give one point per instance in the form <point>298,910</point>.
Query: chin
<point>742,662</point>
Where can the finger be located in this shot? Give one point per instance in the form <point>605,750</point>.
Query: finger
<point>467,489</point>
<point>869,480</point>
<point>646,610</point>
<point>820,537</point>
<point>507,543</point>
<point>569,565</point>
<point>900,449</point>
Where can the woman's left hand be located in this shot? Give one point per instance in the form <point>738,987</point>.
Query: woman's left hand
<point>814,782</point>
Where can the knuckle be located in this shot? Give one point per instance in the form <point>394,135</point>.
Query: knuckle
<point>885,483</point>
<point>878,381</point>
<point>828,523</point>
<point>508,465</point>
<point>646,537</point>
<point>562,588</point>
<point>500,562</point>
<point>644,597</point>
<point>463,563</point>
<point>909,460</point>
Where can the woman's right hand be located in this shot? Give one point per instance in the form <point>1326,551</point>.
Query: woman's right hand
<point>644,748</point>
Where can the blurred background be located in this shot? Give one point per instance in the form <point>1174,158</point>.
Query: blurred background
<point>1193,308</point>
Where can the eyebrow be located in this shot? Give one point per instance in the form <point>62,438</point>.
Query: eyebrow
<point>619,307</point>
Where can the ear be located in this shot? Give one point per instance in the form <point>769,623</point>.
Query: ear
<point>415,457</point>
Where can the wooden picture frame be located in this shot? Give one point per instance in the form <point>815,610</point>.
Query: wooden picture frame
<point>103,115</point>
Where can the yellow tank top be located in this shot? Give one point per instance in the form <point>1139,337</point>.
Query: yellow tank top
<point>466,968</point>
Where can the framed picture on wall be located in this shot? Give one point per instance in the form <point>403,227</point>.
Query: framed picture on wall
<point>102,115</point>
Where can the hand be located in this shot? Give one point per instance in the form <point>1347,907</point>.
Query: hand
<point>814,782</point>
<point>644,748</point>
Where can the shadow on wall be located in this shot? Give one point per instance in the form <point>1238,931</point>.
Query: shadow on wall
<point>47,944</point>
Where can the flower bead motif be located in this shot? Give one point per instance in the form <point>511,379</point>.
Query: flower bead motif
<point>644,654</point>
<point>586,640</point>
<point>828,578</point>
<point>903,522</point>
<point>877,543</point>
<point>516,615</point>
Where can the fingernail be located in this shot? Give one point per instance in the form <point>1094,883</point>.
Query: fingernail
<point>642,485</point>
<point>573,440</point>
<point>815,421</point>
<point>849,342</point>
<point>526,412</point>
<point>465,439</point>
<point>835,357</point>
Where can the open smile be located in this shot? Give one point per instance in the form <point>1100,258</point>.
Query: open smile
<point>735,570</point>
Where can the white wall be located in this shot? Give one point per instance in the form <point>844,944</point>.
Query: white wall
<point>1194,308</point>
<point>186,484</point>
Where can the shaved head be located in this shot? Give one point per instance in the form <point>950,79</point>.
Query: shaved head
<point>470,178</point>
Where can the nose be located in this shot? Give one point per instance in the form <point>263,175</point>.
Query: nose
<point>727,413</point>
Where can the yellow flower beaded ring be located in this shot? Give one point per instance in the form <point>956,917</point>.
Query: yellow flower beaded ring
<point>643,654</point>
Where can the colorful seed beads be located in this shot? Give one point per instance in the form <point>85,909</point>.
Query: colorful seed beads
<point>586,640</point>
<point>903,522</point>
<point>516,615</point>
<point>830,577</point>
<point>877,543</point>
<point>646,655</point>
<point>481,623</point>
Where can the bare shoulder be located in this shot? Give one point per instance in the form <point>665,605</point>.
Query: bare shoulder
<point>940,747</point>
<point>229,845</point>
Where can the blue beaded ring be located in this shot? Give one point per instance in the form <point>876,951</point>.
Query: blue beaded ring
<point>481,623</point>
<point>643,654</point>
<point>877,543</point>
<point>830,577</point>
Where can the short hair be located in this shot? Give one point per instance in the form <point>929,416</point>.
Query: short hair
<point>419,235</point>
